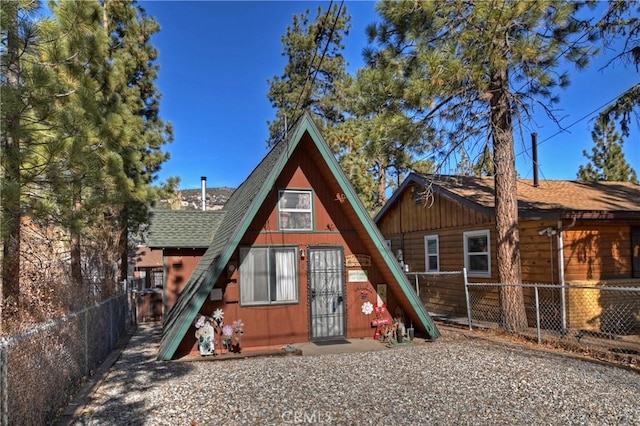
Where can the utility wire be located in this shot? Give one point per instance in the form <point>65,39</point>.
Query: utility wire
<point>575,122</point>
<point>315,53</point>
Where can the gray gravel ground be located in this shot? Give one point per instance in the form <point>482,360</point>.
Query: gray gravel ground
<point>453,381</point>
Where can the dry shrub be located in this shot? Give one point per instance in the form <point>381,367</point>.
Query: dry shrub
<point>46,289</point>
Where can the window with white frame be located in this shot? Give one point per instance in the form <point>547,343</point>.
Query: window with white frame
<point>295,212</point>
<point>431,253</point>
<point>477,253</point>
<point>268,275</point>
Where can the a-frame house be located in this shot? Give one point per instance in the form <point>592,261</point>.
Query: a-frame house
<point>295,257</point>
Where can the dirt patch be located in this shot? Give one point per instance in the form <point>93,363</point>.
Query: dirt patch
<point>625,357</point>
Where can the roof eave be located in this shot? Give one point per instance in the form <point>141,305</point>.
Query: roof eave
<point>557,214</point>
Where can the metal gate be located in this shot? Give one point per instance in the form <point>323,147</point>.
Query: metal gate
<point>326,293</point>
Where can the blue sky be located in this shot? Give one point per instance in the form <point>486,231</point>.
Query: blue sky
<point>215,60</point>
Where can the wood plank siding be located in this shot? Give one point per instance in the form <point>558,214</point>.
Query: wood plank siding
<point>179,264</point>
<point>598,251</point>
<point>594,250</point>
<point>408,221</point>
<point>335,224</point>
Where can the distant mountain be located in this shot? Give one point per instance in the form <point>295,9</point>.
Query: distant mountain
<point>190,199</point>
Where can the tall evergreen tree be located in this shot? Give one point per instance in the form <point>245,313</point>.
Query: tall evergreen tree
<point>139,134</point>
<point>468,69</point>
<point>44,74</point>
<point>621,24</point>
<point>482,166</point>
<point>80,120</point>
<point>368,147</point>
<point>315,71</point>
<point>75,171</point>
<point>12,105</point>
<point>607,160</point>
<point>388,144</point>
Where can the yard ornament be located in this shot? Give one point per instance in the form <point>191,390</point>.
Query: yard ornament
<point>205,335</point>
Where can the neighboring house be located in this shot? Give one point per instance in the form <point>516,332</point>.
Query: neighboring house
<point>182,236</point>
<point>570,232</point>
<point>148,270</point>
<point>295,257</point>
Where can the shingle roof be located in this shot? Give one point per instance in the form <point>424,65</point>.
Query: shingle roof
<point>183,228</point>
<point>240,209</point>
<point>181,315</point>
<point>560,197</point>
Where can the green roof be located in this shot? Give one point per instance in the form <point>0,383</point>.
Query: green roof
<point>240,210</point>
<point>183,228</point>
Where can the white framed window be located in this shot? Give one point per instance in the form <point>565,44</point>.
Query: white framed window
<point>431,253</point>
<point>295,211</point>
<point>268,275</point>
<point>477,253</point>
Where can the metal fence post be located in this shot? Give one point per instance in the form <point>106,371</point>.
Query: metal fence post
<point>4,398</point>
<point>563,306</point>
<point>466,293</point>
<point>535,288</point>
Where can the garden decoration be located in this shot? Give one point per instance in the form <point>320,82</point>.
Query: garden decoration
<point>208,327</point>
<point>205,335</point>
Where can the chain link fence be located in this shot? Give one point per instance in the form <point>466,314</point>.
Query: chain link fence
<point>42,369</point>
<point>599,316</point>
<point>592,317</point>
<point>442,293</point>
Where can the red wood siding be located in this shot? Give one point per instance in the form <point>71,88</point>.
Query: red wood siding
<point>179,265</point>
<point>335,224</point>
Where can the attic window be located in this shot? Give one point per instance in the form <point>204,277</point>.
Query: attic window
<point>295,211</point>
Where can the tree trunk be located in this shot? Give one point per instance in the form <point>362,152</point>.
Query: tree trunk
<point>76,251</point>
<point>11,158</point>
<point>382,184</point>
<point>506,205</point>
<point>124,251</point>
<point>76,270</point>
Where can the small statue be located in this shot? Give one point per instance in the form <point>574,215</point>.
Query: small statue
<point>205,334</point>
<point>400,329</point>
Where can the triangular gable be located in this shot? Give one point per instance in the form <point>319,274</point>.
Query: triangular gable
<point>437,187</point>
<point>241,209</point>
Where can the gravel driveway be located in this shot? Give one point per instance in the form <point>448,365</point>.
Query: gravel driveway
<point>454,381</point>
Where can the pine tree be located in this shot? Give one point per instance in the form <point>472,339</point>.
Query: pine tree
<point>30,93</point>
<point>137,133</point>
<point>607,160</point>
<point>388,139</point>
<point>77,171</point>
<point>468,69</point>
<point>12,105</point>
<point>314,73</point>
<point>482,166</point>
<point>621,23</point>
<point>80,118</point>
